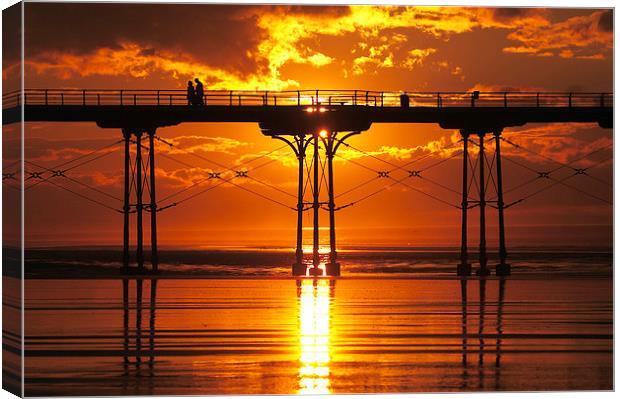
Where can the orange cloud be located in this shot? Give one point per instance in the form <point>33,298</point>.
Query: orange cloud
<point>560,141</point>
<point>417,56</point>
<point>500,89</point>
<point>589,36</point>
<point>46,151</point>
<point>287,37</point>
<point>99,179</point>
<point>136,61</point>
<point>182,177</point>
<point>195,143</point>
<point>286,158</point>
<point>442,148</point>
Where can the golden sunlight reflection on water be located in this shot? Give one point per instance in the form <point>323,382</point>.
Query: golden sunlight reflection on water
<point>314,302</point>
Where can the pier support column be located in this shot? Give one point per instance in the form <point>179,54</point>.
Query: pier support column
<point>299,268</point>
<point>483,271</point>
<point>126,206</point>
<point>299,147</point>
<point>502,269</point>
<point>332,142</point>
<point>135,177</point>
<point>314,271</point>
<point>138,181</point>
<point>464,268</point>
<point>153,204</point>
<point>333,267</point>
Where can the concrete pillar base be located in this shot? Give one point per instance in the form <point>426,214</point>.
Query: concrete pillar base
<point>332,269</point>
<point>502,269</point>
<point>463,269</point>
<point>316,271</point>
<point>483,271</point>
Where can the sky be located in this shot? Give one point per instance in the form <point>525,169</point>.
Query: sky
<point>141,46</point>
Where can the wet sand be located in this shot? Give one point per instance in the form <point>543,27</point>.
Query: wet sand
<point>251,336</point>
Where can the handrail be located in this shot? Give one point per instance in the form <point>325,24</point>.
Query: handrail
<point>304,98</point>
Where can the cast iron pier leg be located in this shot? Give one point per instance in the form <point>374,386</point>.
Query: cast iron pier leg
<point>483,271</point>
<point>153,204</point>
<point>502,269</point>
<point>299,148</point>
<point>125,268</point>
<point>139,243</point>
<point>464,268</point>
<point>299,268</point>
<point>333,267</point>
<point>315,205</point>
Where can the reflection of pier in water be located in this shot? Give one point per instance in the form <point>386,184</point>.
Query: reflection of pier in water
<point>314,335</point>
<point>140,350</point>
<point>315,301</point>
<point>252,336</point>
<point>481,336</point>
<point>134,353</point>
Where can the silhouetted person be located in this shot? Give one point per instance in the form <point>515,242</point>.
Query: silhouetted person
<point>191,93</point>
<point>200,92</point>
<point>404,100</point>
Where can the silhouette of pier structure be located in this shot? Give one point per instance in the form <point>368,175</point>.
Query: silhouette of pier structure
<point>316,121</point>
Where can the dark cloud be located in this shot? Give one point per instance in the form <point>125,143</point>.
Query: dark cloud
<point>314,10</point>
<point>606,22</point>
<point>213,34</point>
<point>147,52</point>
<point>328,11</point>
<point>11,37</point>
<point>509,14</point>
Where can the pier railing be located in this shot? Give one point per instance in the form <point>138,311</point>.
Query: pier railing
<point>330,98</point>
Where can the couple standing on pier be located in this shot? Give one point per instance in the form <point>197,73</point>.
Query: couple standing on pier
<point>195,96</point>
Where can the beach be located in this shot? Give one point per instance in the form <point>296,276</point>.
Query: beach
<point>259,335</point>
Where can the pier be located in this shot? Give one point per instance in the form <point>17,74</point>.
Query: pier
<point>314,124</point>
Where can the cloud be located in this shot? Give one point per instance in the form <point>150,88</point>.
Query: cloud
<point>417,56</point>
<point>360,64</point>
<point>260,41</point>
<point>500,88</point>
<point>182,177</point>
<point>563,142</point>
<point>184,182</point>
<point>454,70</point>
<point>441,148</point>
<point>286,158</point>
<point>57,151</point>
<point>587,36</point>
<point>195,144</point>
<point>196,29</point>
<point>99,179</point>
<point>294,38</point>
<point>290,38</point>
<point>134,60</point>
